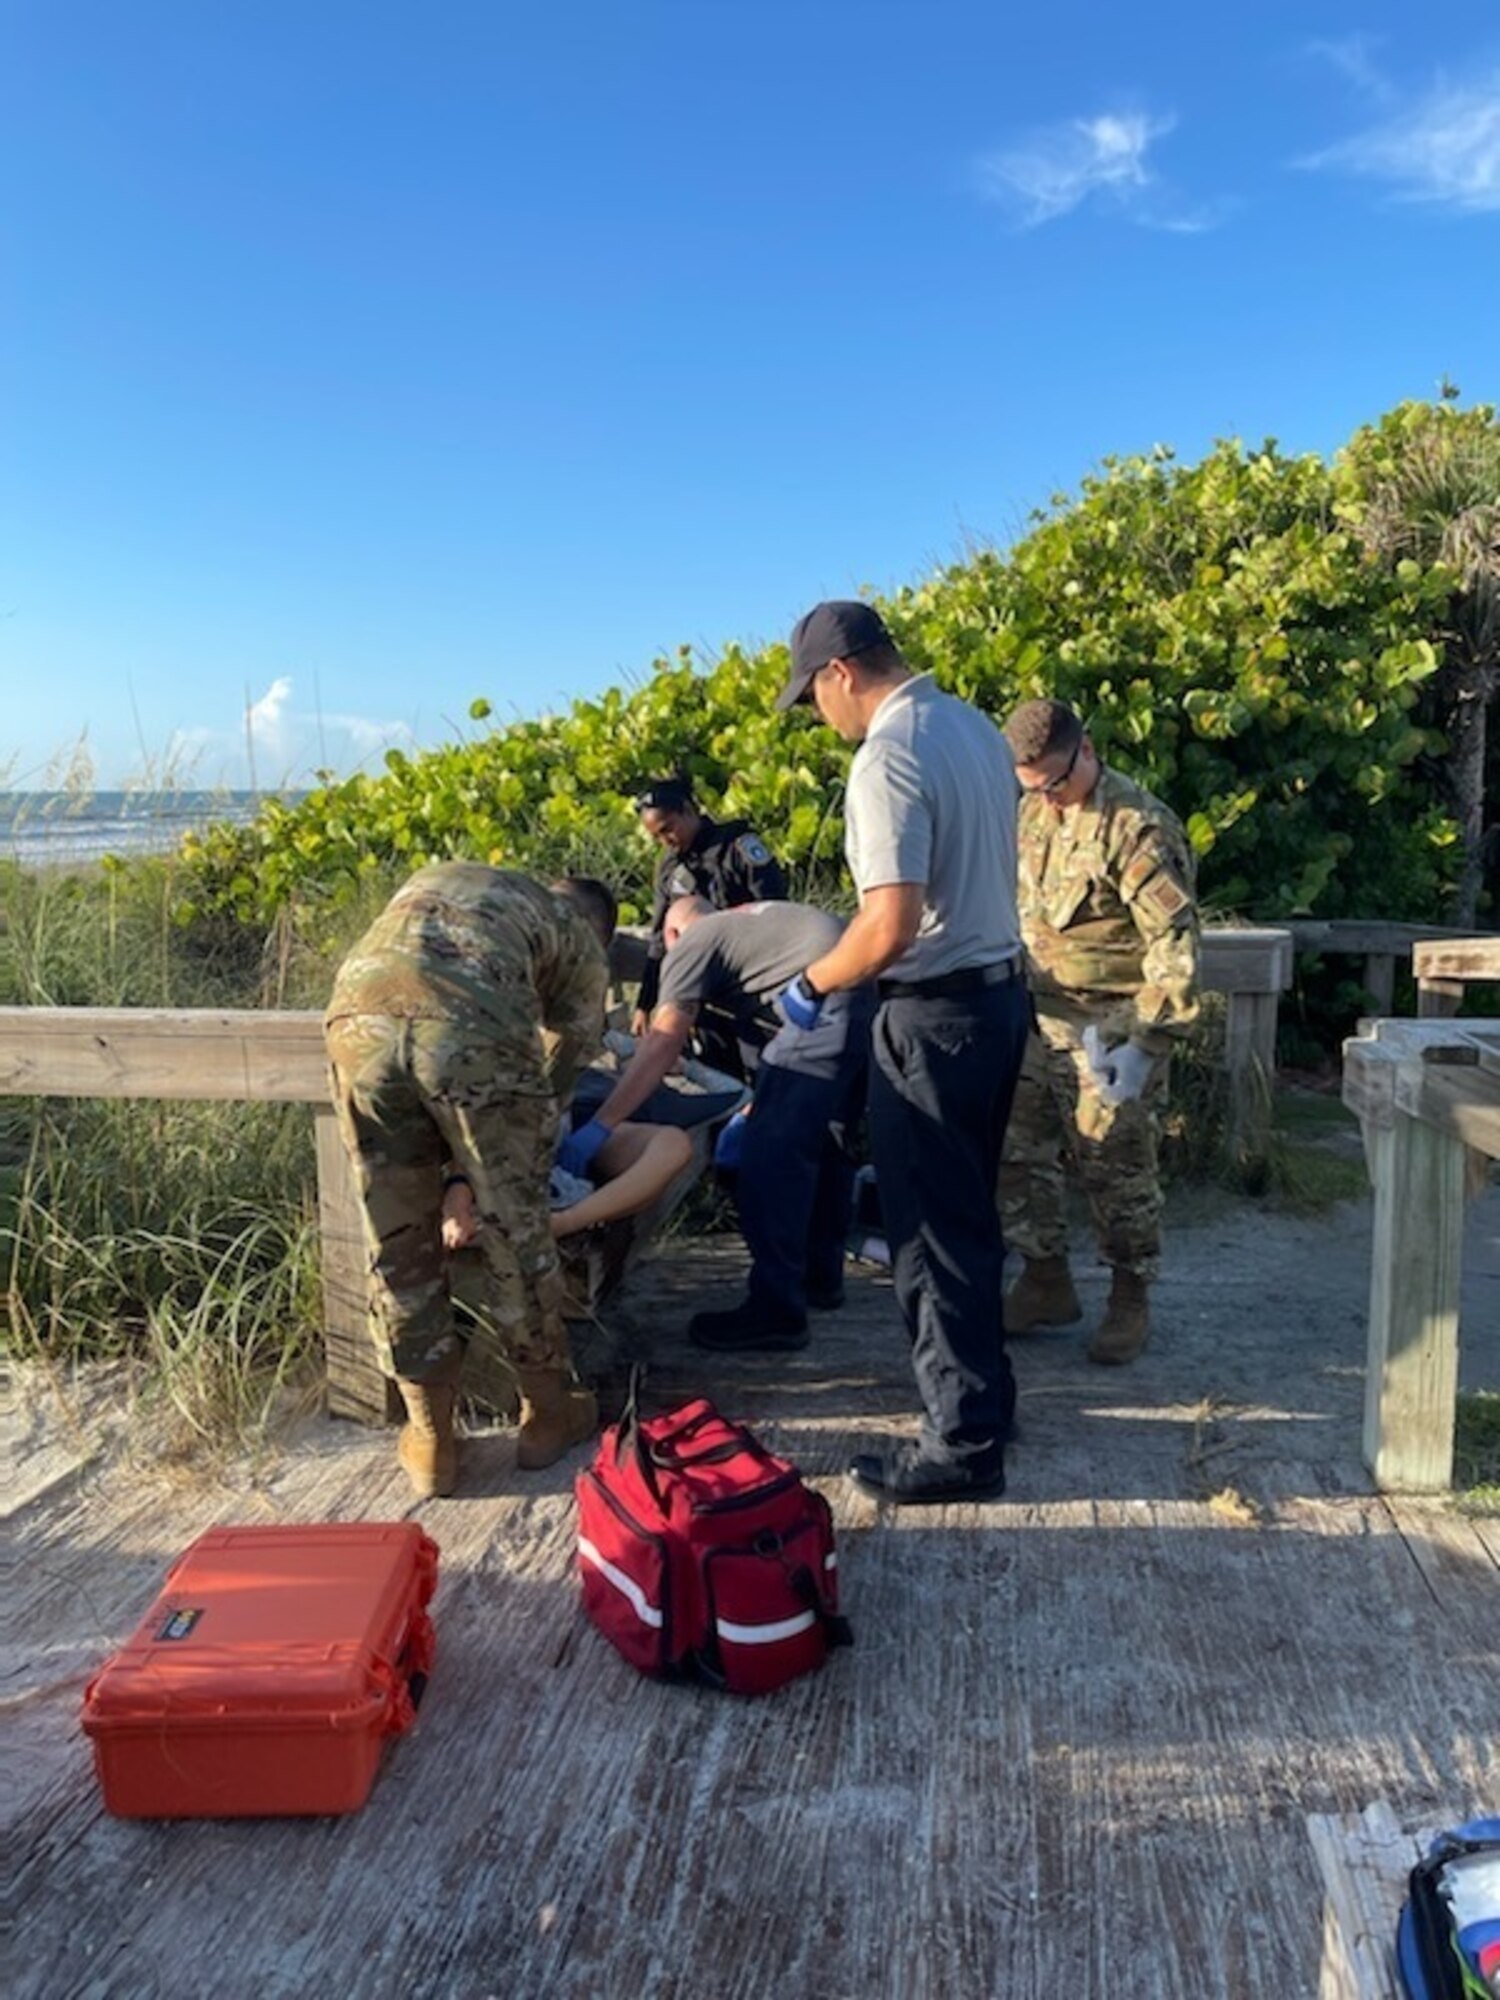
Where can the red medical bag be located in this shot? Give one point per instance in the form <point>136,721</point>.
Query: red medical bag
<point>703,1556</point>
<point>268,1674</point>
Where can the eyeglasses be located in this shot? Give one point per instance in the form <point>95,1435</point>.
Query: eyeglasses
<point>1050,787</point>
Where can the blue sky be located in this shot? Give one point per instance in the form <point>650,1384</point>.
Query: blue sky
<point>362,359</point>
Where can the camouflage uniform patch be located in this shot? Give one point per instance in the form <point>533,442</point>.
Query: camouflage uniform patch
<point>469,1002</point>
<point>1110,927</point>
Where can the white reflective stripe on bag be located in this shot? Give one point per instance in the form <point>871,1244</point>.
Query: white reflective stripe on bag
<point>764,1635</point>
<point>627,1586</point>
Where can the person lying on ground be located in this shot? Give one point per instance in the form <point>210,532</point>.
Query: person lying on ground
<point>633,1170</point>
<point>795,1174</point>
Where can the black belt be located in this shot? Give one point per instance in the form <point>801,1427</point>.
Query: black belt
<point>970,979</point>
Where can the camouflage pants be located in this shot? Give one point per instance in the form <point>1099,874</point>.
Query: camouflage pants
<point>1059,1117</point>
<point>411,1096</point>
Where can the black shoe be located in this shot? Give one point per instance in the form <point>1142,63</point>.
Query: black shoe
<point>906,1478</point>
<point>748,1328</point>
<point>826,1301</point>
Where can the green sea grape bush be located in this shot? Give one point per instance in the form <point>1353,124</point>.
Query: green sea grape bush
<point>1234,638</point>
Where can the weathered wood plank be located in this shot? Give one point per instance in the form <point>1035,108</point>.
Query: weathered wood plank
<point>1247,958</point>
<point>1369,1083</point>
<point>1250,1058</point>
<point>356,1387</point>
<point>1463,1102</point>
<point>1074,1720</point>
<point>1250,960</point>
<point>154,1052</point>
<point>1474,958</point>
<point>1359,937</point>
<point>1412,1365</point>
<point>1364,1859</point>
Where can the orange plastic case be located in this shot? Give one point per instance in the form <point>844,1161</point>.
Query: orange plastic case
<point>268,1674</point>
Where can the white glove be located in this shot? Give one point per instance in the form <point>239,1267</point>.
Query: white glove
<point>1120,1074</point>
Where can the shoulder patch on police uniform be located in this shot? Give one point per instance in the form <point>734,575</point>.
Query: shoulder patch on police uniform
<point>754,848</point>
<point>1163,896</point>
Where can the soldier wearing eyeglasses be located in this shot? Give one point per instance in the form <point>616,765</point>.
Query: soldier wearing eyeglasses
<point>1109,920</point>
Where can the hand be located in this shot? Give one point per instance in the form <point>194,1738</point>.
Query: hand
<point>460,1216</point>
<point>640,1022</point>
<point>798,1005</point>
<point>576,1153</point>
<point>1120,1074</point>
<point>731,1142</point>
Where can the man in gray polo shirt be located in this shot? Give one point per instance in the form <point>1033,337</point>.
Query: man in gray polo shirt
<point>931,843</point>
<point>796,1177</point>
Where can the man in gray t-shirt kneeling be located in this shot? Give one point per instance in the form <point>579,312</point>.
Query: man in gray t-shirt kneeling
<point>796,1174</point>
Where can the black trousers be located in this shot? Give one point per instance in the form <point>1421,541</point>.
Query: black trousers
<point>940,1092</point>
<point>796,1177</point>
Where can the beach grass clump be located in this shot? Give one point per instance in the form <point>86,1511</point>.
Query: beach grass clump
<point>178,1239</point>
<point>1476,1453</point>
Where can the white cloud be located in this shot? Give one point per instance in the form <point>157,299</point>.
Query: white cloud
<point>1353,56</point>
<point>365,733</point>
<point>1103,160</point>
<point>264,717</point>
<point>287,743</point>
<point>1445,149</point>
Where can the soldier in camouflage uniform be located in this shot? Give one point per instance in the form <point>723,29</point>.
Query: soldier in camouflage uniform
<point>457,1026</point>
<point>1110,926</point>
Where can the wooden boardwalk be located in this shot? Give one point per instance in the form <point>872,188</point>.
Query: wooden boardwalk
<point>1069,1755</point>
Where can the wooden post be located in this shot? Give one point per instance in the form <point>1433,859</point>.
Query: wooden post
<point>356,1387</point>
<point>1252,967</point>
<point>1411,1380</point>
<point>1380,981</point>
<point>1438,999</point>
<point>1250,1058</point>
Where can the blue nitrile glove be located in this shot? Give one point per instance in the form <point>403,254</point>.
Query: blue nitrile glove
<point>731,1142</point>
<point>576,1153</point>
<point>798,1005</point>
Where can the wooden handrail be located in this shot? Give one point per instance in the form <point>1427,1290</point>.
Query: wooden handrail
<point>266,1057</point>
<point>253,1056</point>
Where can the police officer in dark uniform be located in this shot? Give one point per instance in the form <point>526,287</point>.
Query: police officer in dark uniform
<point>724,861</point>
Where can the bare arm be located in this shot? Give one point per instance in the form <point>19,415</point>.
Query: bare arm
<point>638,1164</point>
<point>658,1053</point>
<point>884,928</point>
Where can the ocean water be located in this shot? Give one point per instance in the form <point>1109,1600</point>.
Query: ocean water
<point>39,829</point>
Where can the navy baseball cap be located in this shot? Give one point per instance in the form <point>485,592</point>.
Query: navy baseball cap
<point>831,631</point>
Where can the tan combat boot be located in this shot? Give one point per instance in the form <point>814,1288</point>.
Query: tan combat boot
<point>427,1446</point>
<point>1126,1322</point>
<point>1043,1295</point>
<point>556,1414</point>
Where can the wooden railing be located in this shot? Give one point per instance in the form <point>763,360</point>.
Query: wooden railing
<point>279,1058</point>
<point>1383,946</point>
<point>1427,1095</point>
<point>195,1054</point>
<point>1445,968</point>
